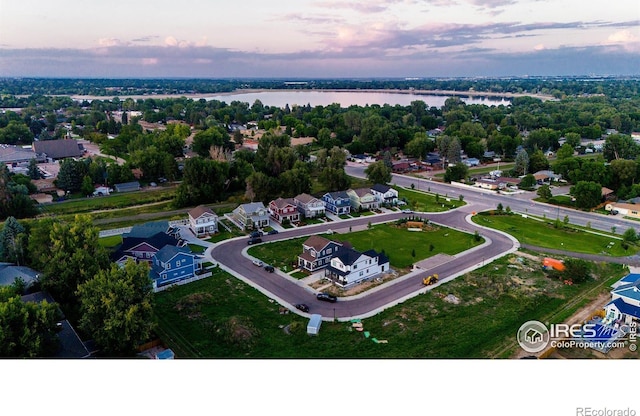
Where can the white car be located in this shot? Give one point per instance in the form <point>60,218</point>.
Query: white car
<point>407,211</point>
<point>258,263</point>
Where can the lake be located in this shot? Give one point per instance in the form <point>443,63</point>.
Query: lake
<point>349,98</point>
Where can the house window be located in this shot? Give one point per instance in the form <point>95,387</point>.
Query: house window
<point>168,266</point>
<point>361,273</point>
<point>355,266</point>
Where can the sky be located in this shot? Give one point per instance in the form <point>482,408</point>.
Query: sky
<point>318,38</point>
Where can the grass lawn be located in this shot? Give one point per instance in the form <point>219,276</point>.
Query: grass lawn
<point>344,216</point>
<point>112,201</point>
<point>426,202</point>
<point>397,243</point>
<point>111,241</point>
<point>221,317</point>
<point>197,249</point>
<point>299,275</point>
<point>544,234</point>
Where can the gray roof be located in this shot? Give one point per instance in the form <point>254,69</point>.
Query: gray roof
<point>148,229</point>
<point>338,195</point>
<point>383,189</point>
<point>58,149</point>
<point>9,272</point>
<point>10,154</point>
<point>252,207</point>
<point>166,253</point>
<point>127,186</point>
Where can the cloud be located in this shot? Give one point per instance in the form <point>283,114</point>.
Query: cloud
<point>108,42</point>
<point>622,36</point>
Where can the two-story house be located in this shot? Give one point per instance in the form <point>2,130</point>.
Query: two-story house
<point>337,202</point>
<point>362,199</point>
<point>625,300</point>
<point>253,215</point>
<point>142,248</point>
<point>309,206</point>
<point>203,221</point>
<point>172,264</point>
<point>284,210</point>
<point>349,266</point>
<point>317,252</point>
<point>385,194</point>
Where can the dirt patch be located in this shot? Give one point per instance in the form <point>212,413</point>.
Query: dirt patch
<point>189,305</point>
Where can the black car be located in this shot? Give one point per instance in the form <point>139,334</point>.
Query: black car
<point>272,232</point>
<point>326,297</point>
<point>254,241</point>
<point>302,307</point>
<point>255,234</point>
<point>269,268</point>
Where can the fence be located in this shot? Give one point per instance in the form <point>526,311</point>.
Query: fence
<point>115,231</point>
<point>182,282</point>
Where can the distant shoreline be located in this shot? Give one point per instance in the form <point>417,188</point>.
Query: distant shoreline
<point>197,96</point>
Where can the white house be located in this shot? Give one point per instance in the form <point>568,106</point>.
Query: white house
<point>203,221</point>
<point>385,194</point>
<point>362,199</point>
<point>309,206</point>
<point>251,216</point>
<point>625,301</point>
<point>349,266</point>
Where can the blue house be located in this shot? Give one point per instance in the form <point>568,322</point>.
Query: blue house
<point>337,202</point>
<point>172,264</point>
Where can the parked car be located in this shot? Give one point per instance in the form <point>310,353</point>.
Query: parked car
<point>269,268</point>
<point>326,297</point>
<point>302,307</point>
<point>272,232</point>
<point>255,234</point>
<point>258,263</point>
<point>254,241</point>
<point>406,211</point>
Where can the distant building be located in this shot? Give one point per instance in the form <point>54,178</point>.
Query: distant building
<point>127,186</point>
<point>58,149</point>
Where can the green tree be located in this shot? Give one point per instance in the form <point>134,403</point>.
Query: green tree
<point>457,172</point>
<point>528,182</point>
<point>72,256</point>
<point>33,171</point>
<point>565,152</point>
<point>87,186</point>
<point>334,179</point>
<point>538,161</point>
<point>13,241</point>
<point>71,174</point>
<point>27,329</point>
<point>521,163</point>
<point>587,194</point>
<point>544,192</point>
<point>378,172</point>
<point>576,270</point>
<point>117,307</point>
<point>630,235</point>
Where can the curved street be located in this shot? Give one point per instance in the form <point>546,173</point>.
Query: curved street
<point>231,254</point>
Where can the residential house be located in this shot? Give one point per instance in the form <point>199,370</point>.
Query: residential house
<point>316,253</point>
<point>203,221</point>
<point>337,202</point>
<point>251,216</point>
<point>172,264</point>
<point>284,210</point>
<point>149,229</point>
<point>9,272</point>
<point>472,161</point>
<point>486,183</point>
<point>608,194</point>
<point>401,167</point>
<point>11,154</point>
<point>385,194</point>
<point>58,149</point>
<point>362,199</point>
<point>309,206</point>
<point>349,266</point>
<point>625,302</point>
<point>142,248</point>
<point>628,210</point>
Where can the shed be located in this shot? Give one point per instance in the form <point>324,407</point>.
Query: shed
<point>165,355</point>
<point>313,327</point>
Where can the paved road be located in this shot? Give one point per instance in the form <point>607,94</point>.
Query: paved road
<point>288,291</point>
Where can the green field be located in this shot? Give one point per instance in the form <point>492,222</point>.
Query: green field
<point>397,243</point>
<point>427,202</point>
<point>543,233</point>
<point>221,317</point>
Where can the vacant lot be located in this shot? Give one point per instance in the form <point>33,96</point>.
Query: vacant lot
<point>221,317</point>
<point>544,233</point>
